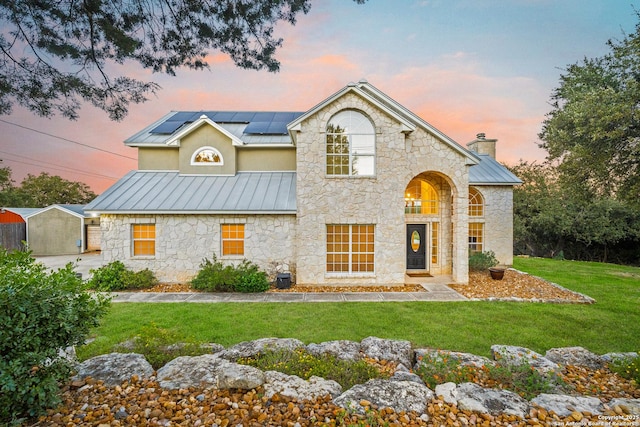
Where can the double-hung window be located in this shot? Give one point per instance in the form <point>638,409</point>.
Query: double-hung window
<point>144,239</point>
<point>350,145</point>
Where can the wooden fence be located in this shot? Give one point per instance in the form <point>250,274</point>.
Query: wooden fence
<point>12,235</point>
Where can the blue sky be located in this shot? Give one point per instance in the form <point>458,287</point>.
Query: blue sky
<point>465,66</point>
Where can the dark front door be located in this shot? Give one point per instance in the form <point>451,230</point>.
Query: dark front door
<point>416,247</point>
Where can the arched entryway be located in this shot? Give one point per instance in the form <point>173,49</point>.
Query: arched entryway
<point>428,214</point>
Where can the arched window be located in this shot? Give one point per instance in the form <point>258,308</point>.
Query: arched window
<point>207,156</point>
<point>476,203</point>
<point>420,197</point>
<point>351,145</point>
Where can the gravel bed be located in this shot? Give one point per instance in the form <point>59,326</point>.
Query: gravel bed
<point>517,286</point>
<point>145,403</point>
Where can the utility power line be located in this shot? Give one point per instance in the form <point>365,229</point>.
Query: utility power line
<point>67,140</point>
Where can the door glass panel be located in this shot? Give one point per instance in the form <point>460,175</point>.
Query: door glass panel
<point>415,241</point>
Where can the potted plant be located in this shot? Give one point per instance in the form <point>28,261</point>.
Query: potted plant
<point>481,261</point>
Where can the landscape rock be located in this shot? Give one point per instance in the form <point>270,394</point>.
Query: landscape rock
<point>295,387</point>
<point>576,356</point>
<point>627,406</point>
<point>514,355</point>
<point>619,357</point>
<point>465,359</point>
<point>448,392</point>
<point>405,375</point>
<point>341,349</point>
<point>472,397</point>
<point>208,371</point>
<point>251,348</point>
<point>397,395</point>
<point>114,368</point>
<point>565,405</point>
<point>398,351</point>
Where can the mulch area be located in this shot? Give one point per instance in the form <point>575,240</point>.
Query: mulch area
<point>515,286</point>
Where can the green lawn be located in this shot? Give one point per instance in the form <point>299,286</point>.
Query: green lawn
<point>612,324</point>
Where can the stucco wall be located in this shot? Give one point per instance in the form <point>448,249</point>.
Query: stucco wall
<point>182,241</point>
<point>379,200</point>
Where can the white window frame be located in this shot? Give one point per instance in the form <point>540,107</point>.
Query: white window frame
<point>350,272</point>
<point>200,150</point>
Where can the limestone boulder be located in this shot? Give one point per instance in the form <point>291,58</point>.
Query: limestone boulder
<point>252,348</point>
<point>208,371</point>
<point>398,351</point>
<point>576,356</point>
<point>565,405</point>
<point>514,355</point>
<point>397,395</point>
<point>114,368</point>
<point>295,387</point>
<point>341,349</point>
<point>422,355</point>
<point>629,407</point>
<point>472,397</point>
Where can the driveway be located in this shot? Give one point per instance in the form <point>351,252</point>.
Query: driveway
<point>83,262</point>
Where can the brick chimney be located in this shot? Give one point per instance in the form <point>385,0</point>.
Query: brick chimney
<point>482,145</point>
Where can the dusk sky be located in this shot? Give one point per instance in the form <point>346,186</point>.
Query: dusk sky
<point>464,66</point>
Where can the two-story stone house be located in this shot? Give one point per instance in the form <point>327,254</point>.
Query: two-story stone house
<point>358,190</point>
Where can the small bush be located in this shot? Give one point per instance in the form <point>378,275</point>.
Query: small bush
<point>441,369</point>
<point>521,379</point>
<point>627,368</point>
<point>116,277</point>
<point>305,365</point>
<point>160,346</point>
<point>40,313</point>
<point>482,260</point>
<point>214,276</point>
<point>251,279</point>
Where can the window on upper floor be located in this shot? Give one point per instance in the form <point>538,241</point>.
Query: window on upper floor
<point>206,156</point>
<point>350,145</point>
<point>476,203</point>
<point>420,197</point>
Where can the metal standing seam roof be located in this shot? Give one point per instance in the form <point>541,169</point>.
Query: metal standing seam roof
<point>490,172</point>
<point>169,192</point>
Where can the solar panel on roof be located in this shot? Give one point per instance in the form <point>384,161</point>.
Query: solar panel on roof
<point>168,127</point>
<point>221,116</point>
<point>257,128</point>
<point>243,117</point>
<point>183,115</point>
<point>263,117</point>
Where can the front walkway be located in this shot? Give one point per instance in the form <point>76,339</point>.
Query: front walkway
<point>436,289</point>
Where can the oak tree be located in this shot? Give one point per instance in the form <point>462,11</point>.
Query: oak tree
<point>54,55</point>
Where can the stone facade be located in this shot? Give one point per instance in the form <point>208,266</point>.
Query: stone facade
<point>295,240</point>
<point>498,200</point>
<point>183,241</point>
<point>377,200</point>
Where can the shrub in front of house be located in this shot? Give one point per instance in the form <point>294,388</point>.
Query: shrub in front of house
<point>480,261</point>
<point>40,314</point>
<point>215,276</point>
<point>116,277</point>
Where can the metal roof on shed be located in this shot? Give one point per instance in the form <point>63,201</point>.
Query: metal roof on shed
<point>169,192</point>
<point>490,172</point>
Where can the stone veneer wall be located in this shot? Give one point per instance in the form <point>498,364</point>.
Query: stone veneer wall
<point>182,241</point>
<point>498,221</point>
<point>379,200</point>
